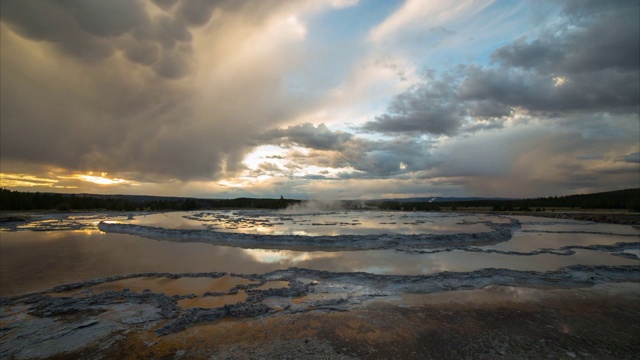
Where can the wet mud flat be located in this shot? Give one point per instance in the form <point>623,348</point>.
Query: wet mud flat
<point>567,325</point>
<point>576,312</point>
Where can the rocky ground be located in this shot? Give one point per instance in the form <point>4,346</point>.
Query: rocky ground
<point>321,314</point>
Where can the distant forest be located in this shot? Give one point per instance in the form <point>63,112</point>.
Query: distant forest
<point>16,200</point>
<point>622,199</point>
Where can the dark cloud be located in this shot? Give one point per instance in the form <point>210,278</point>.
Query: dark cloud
<point>503,89</point>
<point>586,63</point>
<point>488,109</point>
<point>168,31</point>
<point>93,30</point>
<point>431,108</point>
<point>317,177</point>
<point>632,158</point>
<point>529,54</point>
<point>196,12</point>
<point>391,157</point>
<point>128,96</point>
<point>308,135</point>
<point>173,64</point>
<point>145,53</point>
<point>165,4</point>
<point>483,126</point>
<point>106,18</point>
<point>53,22</point>
<point>596,35</point>
<point>337,149</point>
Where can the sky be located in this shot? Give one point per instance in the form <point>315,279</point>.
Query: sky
<point>320,99</point>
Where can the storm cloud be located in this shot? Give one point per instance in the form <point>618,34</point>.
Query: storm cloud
<point>307,135</point>
<point>92,31</point>
<point>253,98</point>
<point>432,108</point>
<point>138,87</point>
<point>586,63</point>
<point>338,149</point>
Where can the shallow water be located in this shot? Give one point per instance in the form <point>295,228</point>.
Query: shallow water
<point>318,224</point>
<point>273,285</point>
<point>213,301</point>
<point>531,241</point>
<point>580,227</point>
<point>78,259</point>
<point>38,260</point>
<point>180,286</point>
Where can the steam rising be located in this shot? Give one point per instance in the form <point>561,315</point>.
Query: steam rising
<point>312,207</point>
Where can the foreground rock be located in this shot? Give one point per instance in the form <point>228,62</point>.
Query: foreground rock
<point>76,318</point>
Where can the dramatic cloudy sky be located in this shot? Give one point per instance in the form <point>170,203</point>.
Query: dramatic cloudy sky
<point>320,98</point>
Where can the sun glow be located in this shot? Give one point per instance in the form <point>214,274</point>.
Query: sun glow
<point>277,256</point>
<point>102,179</point>
<point>30,181</point>
<point>559,81</point>
<point>260,154</point>
<point>232,184</point>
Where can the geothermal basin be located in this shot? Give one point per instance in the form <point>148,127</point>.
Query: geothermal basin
<point>95,284</point>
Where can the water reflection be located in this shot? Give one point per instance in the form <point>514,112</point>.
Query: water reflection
<point>581,227</point>
<point>34,261</point>
<point>213,301</point>
<point>325,224</point>
<point>273,285</point>
<point>531,241</point>
<point>170,220</point>
<point>289,256</point>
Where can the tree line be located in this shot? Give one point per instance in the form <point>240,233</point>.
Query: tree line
<point>17,201</point>
<point>622,199</point>
<point>22,201</point>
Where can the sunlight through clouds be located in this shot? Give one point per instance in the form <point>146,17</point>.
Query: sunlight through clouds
<point>305,98</point>
<point>103,180</point>
<point>559,81</point>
